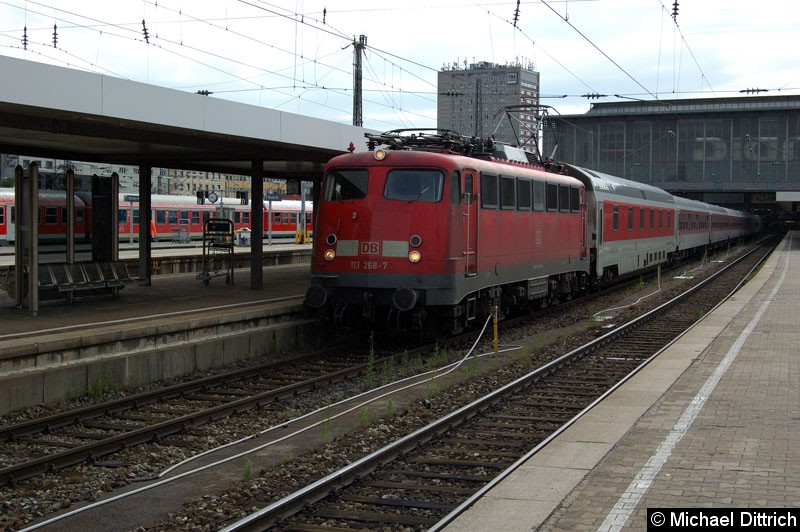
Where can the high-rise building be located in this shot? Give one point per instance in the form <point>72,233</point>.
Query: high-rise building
<point>472,100</point>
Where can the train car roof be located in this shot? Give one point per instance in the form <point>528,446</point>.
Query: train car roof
<point>600,182</point>
<point>46,196</point>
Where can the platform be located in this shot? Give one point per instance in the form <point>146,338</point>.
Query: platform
<point>713,422</point>
<point>173,327</point>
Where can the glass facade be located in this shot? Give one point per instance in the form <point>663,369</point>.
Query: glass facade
<point>718,145</point>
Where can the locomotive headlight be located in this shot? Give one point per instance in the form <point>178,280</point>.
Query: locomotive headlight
<point>379,154</point>
<point>414,256</point>
<point>329,255</point>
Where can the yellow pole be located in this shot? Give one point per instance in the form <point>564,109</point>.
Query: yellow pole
<point>496,335</point>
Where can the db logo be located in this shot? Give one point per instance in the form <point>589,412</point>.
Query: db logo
<point>370,248</point>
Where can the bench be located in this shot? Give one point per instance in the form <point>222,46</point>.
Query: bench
<point>86,276</point>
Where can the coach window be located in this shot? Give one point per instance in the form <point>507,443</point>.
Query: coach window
<point>161,217</point>
<point>641,219</point>
<point>343,185</point>
<point>173,216</point>
<point>276,217</point>
<point>508,199</point>
<point>538,196</point>
<point>489,191</point>
<point>2,214</point>
<point>135,216</point>
<point>669,219</point>
<point>652,219</point>
<point>615,218</point>
<point>195,217</point>
<point>63,215</point>
<point>237,217</point>
<point>122,216</point>
<point>660,219</point>
<point>551,200</point>
<point>285,218</point>
<point>51,215</point>
<point>246,217</point>
<point>524,195</point>
<point>630,218</point>
<point>414,185</point>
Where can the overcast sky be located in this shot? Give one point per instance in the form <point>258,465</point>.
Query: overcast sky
<point>297,56</point>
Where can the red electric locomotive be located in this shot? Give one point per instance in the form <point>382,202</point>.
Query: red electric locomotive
<point>440,230</point>
<point>430,235</point>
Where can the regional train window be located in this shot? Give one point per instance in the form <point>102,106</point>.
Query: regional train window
<point>414,185</point>
<point>173,216</point>
<point>285,218</point>
<point>122,216</point>
<point>346,185</point>
<point>524,199</point>
<point>538,196</point>
<point>551,200</point>
<point>50,215</point>
<point>2,214</point>
<point>652,219</point>
<point>508,199</point>
<point>161,217</point>
<point>489,191</point>
<point>135,215</point>
<point>641,219</point>
<point>246,217</point>
<point>630,218</point>
<point>660,219</point>
<point>615,219</point>
<point>195,217</point>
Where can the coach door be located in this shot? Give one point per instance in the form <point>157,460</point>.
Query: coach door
<point>470,225</point>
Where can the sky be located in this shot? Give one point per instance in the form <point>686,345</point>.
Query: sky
<point>297,56</point>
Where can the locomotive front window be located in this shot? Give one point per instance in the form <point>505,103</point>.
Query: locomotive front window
<point>343,185</point>
<point>414,185</point>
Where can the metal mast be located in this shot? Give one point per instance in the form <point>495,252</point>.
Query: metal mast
<point>358,47</point>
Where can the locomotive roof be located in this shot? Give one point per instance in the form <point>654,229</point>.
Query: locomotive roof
<point>598,181</point>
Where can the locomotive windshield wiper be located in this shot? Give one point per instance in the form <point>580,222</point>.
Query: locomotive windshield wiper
<point>420,193</point>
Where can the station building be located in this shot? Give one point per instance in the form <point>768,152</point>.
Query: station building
<point>737,152</point>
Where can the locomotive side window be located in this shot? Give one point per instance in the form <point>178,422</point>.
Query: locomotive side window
<point>574,199</point>
<point>489,191</point>
<point>551,201</point>
<point>468,188</point>
<point>343,185</point>
<point>538,196</point>
<point>455,188</point>
<point>524,200</point>
<point>508,199</point>
<point>563,198</point>
<point>414,185</point>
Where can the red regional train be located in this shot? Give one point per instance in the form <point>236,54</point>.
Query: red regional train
<point>174,216</point>
<point>437,229</point>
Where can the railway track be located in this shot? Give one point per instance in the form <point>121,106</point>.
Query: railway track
<point>87,434</point>
<point>423,480</point>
